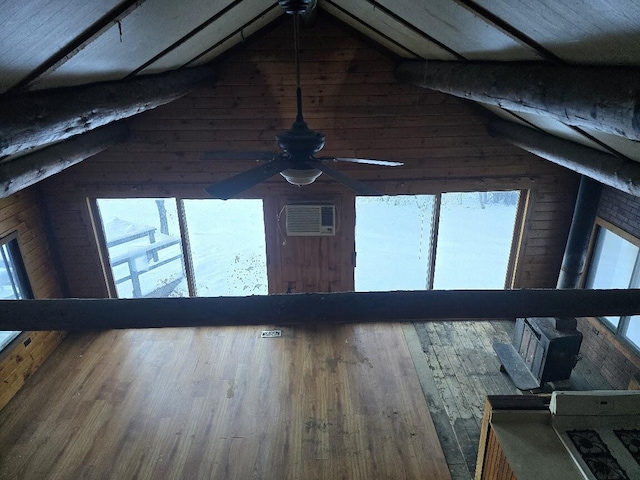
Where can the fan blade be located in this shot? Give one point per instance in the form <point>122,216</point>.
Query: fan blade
<point>238,155</point>
<point>385,163</point>
<point>355,185</point>
<point>232,186</point>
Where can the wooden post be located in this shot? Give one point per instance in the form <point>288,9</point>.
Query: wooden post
<point>602,98</point>
<point>347,307</point>
<point>46,116</point>
<point>616,172</point>
<point>29,169</point>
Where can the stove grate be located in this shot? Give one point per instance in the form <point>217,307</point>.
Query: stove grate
<point>596,455</point>
<point>631,441</point>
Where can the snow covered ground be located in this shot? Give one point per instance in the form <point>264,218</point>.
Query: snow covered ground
<point>226,239</point>
<point>474,241</point>
<point>393,238</point>
<point>227,247</point>
<point>392,242</point>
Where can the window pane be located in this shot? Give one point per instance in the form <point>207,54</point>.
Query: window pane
<point>11,287</point>
<point>633,330</point>
<point>612,264</point>
<point>474,239</point>
<point>145,250</point>
<point>612,261</point>
<point>228,250</point>
<point>393,236</point>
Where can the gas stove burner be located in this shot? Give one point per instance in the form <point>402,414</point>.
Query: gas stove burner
<point>606,468</point>
<point>596,455</point>
<point>588,442</point>
<point>631,441</point>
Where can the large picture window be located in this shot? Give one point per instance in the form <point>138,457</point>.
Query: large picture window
<point>393,242</point>
<point>458,240</point>
<point>166,247</point>
<point>615,263</point>
<point>14,284</point>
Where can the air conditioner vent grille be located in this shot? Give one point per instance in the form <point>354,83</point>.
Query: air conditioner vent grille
<point>310,220</point>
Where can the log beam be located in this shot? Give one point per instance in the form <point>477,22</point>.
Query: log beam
<point>47,116</point>
<point>601,98</point>
<point>616,172</point>
<point>348,307</point>
<point>29,169</point>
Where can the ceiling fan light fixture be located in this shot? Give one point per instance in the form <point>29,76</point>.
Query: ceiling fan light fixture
<point>300,177</point>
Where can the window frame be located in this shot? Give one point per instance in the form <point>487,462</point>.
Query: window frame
<point>103,250</point>
<point>516,237</point>
<point>22,277</point>
<point>618,330</point>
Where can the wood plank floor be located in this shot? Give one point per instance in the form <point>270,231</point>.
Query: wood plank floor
<point>459,369</point>
<point>339,402</point>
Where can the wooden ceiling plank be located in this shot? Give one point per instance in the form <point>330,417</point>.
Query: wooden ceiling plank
<point>38,118</point>
<point>619,173</point>
<point>313,308</point>
<point>32,32</point>
<point>593,32</point>
<point>233,21</point>
<point>403,41</point>
<point>89,34</point>
<point>239,35</point>
<point>510,30</point>
<point>126,45</point>
<point>371,8</point>
<point>602,98</point>
<point>618,144</point>
<point>29,169</point>
<point>460,30</point>
<point>217,16</point>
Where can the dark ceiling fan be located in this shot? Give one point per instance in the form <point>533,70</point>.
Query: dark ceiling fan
<point>296,163</point>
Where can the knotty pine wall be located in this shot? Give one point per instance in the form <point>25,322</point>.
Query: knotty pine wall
<point>350,94</point>
<point>21,213</point>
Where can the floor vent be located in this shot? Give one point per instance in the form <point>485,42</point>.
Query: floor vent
<point>271,333</point>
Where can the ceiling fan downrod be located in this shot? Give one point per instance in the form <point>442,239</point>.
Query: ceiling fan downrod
<point>299,141</point>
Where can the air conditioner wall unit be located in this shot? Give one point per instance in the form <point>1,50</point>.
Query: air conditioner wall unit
<point>310,220</point>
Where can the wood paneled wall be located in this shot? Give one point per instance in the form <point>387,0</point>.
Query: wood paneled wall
<point>21,213</point>
<point>349,93</point>
<point>310,264</point>
<point>618,362</point>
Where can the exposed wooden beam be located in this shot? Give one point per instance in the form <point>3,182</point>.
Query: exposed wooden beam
<point>349,307</point>
<point>46,116</point>
<point>24,171</point>
<point>601,98</point>
<point>616,172</point>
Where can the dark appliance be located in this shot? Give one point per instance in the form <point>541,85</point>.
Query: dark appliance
<point>542,350</point>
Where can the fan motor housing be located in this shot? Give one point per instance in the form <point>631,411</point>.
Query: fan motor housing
<point>294,7</point>
<point>300,141</point>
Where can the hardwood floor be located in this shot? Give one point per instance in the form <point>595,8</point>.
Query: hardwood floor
<point>461,370</point>
<point>318,403</point>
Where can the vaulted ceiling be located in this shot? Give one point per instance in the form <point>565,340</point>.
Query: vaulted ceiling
<point>47,44</point>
